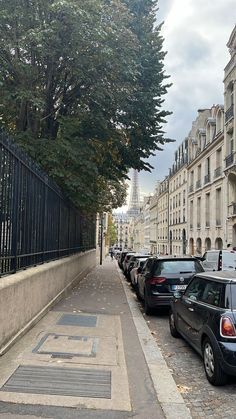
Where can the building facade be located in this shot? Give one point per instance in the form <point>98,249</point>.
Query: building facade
<point>206,182</point>
<point>163,217</point>
<point>230,140</point>
<point>178,202</point>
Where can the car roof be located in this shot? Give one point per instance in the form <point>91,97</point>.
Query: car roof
<point>171,257</point>
<point>219,276</point>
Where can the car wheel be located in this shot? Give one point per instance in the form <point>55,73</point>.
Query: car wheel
<point>213,370</point>
<point>147,309</point>
<point>173,331</point>
<point>137,292</point>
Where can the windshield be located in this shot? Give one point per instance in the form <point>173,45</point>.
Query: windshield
<point>177,266</point>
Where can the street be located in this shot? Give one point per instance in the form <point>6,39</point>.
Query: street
<point>202,398</point>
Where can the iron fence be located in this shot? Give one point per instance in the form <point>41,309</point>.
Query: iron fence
<point>37,223</point>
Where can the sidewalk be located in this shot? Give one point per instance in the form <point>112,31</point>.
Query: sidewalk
<point>92,356</point>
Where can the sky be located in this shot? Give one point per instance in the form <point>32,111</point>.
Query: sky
<point>195,36</point>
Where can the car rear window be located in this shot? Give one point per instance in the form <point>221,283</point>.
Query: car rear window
<point>229,259</point>
<point>233,293</point>
<point>177,266</point>
<point>212,256</point>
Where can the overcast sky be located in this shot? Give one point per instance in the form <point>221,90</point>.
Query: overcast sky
<point>195,35</point>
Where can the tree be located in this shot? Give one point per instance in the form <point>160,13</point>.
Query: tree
<point>81,89</point>
<point>111,236</point>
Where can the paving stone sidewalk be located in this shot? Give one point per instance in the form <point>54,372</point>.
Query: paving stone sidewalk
<point>99,295</point>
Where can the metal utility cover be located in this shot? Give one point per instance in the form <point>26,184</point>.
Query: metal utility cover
<point>77,320</point>
<point>91,383</point>
<point>63,345</point>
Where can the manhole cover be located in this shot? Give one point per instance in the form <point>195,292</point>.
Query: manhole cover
<point>60,381</point>
<point>77,320</point>
<point>63,346</point>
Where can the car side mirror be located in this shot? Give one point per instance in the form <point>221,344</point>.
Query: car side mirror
<point>178,295</point>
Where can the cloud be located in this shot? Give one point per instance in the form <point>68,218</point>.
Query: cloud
<point>195,36</point>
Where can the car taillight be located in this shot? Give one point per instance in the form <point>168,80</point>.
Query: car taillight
<point>227,328</point>
<point>155,280</point>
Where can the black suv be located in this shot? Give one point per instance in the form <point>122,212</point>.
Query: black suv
<point>205,315</point>
<point>162,276</point>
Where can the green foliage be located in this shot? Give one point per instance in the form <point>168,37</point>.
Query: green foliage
<point>81,89</point>
<point>111,237</point>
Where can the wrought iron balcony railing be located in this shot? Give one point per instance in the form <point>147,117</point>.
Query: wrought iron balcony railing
<point>229,159</point>
<point>218,172</point>
<point>190,188</point>
<point>198,184</point>
<point>229,113</point>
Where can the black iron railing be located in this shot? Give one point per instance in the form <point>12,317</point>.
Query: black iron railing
<point>37,223</point>
<point>229,159</point>
<point>229,113</point>
<point>198,184</point>
<point>218,172</point>
<point>207,179</point>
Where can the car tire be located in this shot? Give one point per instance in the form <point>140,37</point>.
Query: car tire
<point>214,373</point>
<point>173,331</point>
<point>147,309</point>
<point>137,292</point>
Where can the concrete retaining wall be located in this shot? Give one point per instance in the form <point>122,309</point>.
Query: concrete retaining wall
<point>27,295</point>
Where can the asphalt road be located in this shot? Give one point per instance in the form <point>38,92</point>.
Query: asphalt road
<point>203,399</point>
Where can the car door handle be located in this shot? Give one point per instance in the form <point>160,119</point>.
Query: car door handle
<point>190,309</point>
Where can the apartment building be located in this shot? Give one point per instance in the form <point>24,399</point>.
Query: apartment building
<point>121,222</point>
<point>163,217</point>
<point>206,181</point>
<point>153,222</point>
<point>178,201</point>
<point>230,139</point>
<point>194,208</point>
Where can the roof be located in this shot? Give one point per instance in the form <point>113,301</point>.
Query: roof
<point>220,276</point>
<point>171,257</point>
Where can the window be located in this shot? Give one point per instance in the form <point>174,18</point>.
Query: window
<point>207,210</point>
<point>213,293</point>
<point>218,207</point>
<point>218,157</point>
<point>177,266</point>
<point>195,289</point>
<point>198,212</point>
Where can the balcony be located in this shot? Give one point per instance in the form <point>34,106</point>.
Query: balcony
<point>232,209</point>
<point>190,188</point>
<point>218,172</point>
<point>229,113</point>
<point>229,159</point>
<point>198,184</point>
<point>207,179</point>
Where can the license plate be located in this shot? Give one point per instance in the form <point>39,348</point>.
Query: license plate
<point>179,287</point>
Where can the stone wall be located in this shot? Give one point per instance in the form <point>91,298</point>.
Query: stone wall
<point>26,296</point>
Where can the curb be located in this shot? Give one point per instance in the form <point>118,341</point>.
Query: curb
<point>171,401</point>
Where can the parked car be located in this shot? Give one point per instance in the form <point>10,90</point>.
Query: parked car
<point>138,263</point>
<point>121,258</point>
<point>205,316</point>
<point>219,260</point>
<point>126,261</point>
<point>133,260</point>
<point>162,276</point>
